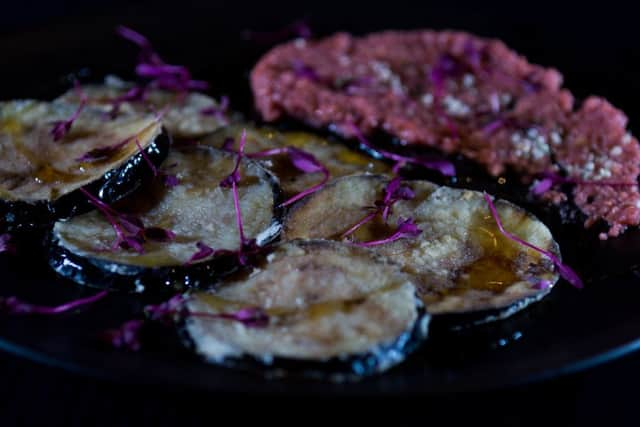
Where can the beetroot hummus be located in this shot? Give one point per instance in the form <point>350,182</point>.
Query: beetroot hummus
<point>458,93</point>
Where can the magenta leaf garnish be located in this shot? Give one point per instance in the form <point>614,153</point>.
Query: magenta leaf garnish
<point>445,167</point>
<point>6,244</point>
<point>253,317</point>
<point>12,305</point>
<point>167,310</point>
<point>542,284</point>
<point>548,180</point>
<point>170,180</point>
<point>131,234</point>
<point>62,127</point>
<point>232,181</point>
<point>565,271</point>
<point>304,71</point>
<point>204,251</point>
<point>217,111</point>
<point>175,78</point>
<point>393,193</point>
<point>102,153</point>
<point>175,308</point>
<point>365,219</point>
<point>493,126</point>
<point>301,160</point>
<point>146,158</point>
<point>127,336</point>
<point>406,229</point>
<point>136,93</point>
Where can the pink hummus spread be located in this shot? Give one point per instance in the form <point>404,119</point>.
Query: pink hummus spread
<point>461,94</point>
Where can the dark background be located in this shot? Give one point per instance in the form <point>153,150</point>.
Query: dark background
<point>595,46</point>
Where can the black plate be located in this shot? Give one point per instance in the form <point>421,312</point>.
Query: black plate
<point>567,331</point>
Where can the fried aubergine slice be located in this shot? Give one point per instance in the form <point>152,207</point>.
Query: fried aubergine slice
<point>187,231</point>
<point>40,176</point>
<point>463,265</point>
<point>327,309</point>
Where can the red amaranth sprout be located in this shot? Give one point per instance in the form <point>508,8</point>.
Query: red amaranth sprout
<point>301,160</point>
<point>6,244</point>
<point>217,111</point>
<point>393,192</point>
<point>445,167</point>
<point>565,271</point>
<point>135,94</point>
<point>204,251</point>
<point>300,69</point>
<point>62,127</point>
<point>406,229</point>
<point>548,180</point>
<point>102,153</point>
<point>175,307</point>
<point>174,78</point>
<point>130,230</point>
<point>146,158</point>
<point>13,305</point>
<point>126,336</point>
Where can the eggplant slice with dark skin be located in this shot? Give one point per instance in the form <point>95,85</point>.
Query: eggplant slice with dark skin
<point>197,209</point>
<point>333,310</point>
<point>466,270</point>
<point>40,178</point>
<point>185,115</point>
<point>337,158</point>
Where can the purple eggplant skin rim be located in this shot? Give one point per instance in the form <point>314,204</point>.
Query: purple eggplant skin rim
<point>21,216</point>
<point>113,275</point>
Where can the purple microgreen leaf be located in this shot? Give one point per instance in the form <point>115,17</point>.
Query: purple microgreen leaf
<point>166,310</point>
<point>542,284</point>
<point>300,69</point>
<point>542,186</point>
<point>393,192</point>
<point>217,111</point>
<point>136,93</point>
<point>170,180</point>
<point>6,243</point>
<point>227,145</point>
<point>565,271</point>
<point>234,176</point>
<point>493,126</point>
<point>445,167</point>
<point>102,153</point>
<point>304,161</point>
<point>232,181</point>
<point>127,336</point>
<point>548,180</point>
<point>406,229</point>
<point>146,158</point>
<point>12,305</point>
<point>203,252</point>
<point>165,76</point>
<point>253,317</point>
<point>62,127</point>
<point>365,219</point>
